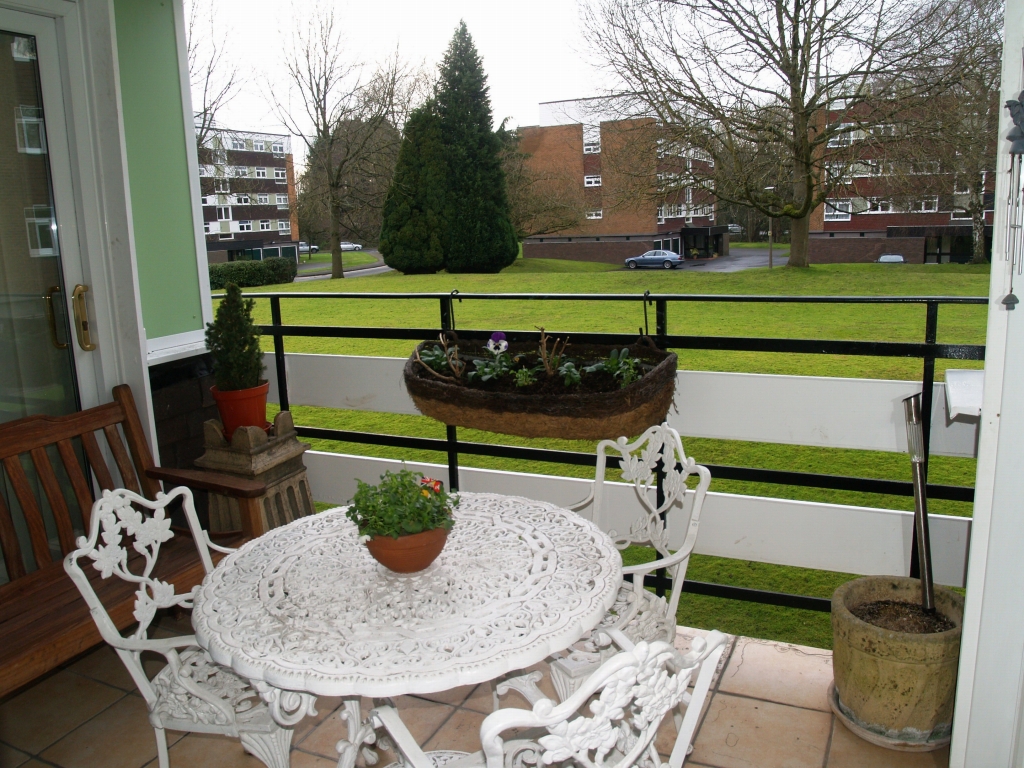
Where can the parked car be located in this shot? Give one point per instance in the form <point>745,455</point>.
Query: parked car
<point>307,248</point>
<point>663,259</point>
<point>735,229</point>
<point>347,246</point>
<point>890,258</point>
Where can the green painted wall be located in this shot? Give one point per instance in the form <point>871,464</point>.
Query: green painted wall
<point>158,167</point>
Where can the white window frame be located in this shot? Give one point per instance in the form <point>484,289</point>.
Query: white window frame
<point>241,171</point>
<point>263,198</point>
<point>223,213</point>
<point>206,228</point>
<point>282,201</point>
<point>598,214</point>
<point>261,173</point>
<point>221,185</point>
<point>258,145</point>
<point>241,199</point>
<point>592,181</point>
<point>40,218</point>
<point>845,136</point>
<point>838,210</point>
<point>927,205</point>
<point>238,145</point>
<point>284,225</point>
<point>264,225</point>
<point>24,118</point>
<point>220,157</point>
<point>280,174</point>
<point>879,205</point>
<point>245,226</point>
<point>673,211</point>
<point>278,149</point>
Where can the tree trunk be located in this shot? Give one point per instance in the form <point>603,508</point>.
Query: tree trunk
<point>337,269</point>
<point>978,222</point>
<point>798,241</point>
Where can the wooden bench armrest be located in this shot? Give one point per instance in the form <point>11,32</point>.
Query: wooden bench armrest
<point>210,481</point>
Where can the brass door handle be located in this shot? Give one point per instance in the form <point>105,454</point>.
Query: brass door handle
<point>82,318</point>
<point>48,298</point>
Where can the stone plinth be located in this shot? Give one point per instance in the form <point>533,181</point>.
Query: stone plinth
<point>274,459</point>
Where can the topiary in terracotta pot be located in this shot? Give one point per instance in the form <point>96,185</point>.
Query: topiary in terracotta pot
<point>894,689</point>
<point>404,520</point>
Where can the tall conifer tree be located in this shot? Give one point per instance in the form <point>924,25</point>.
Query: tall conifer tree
<point>413,229</point>
<point>479,236</point>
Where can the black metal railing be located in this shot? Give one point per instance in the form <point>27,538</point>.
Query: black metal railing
<point>928,351</point>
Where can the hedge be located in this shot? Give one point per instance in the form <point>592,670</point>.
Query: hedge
<point>250,274</point>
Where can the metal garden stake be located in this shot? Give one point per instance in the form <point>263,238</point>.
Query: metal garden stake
<point>915,445</point>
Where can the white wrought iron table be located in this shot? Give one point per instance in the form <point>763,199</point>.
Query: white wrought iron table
<point>304,611</point>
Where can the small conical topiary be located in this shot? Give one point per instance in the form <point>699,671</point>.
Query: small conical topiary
<point>234,342</point>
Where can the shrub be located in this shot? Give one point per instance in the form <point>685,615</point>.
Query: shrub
<point>280,270</point>
<point>234,342</point>
<point>244,274</point>
<point>402,504</point>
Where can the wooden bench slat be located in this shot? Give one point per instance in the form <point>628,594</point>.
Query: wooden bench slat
<point>9,544</point>
<point>124,463</point>
<point>97,462</point>
<point>29,508</point>
<point>83,493</point>
<point>22,435</point>
<point>59,507</point>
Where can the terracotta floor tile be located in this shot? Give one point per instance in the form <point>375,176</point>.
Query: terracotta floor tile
<point>118,737</point>
<point>455,696</point>
<point>51,709</point>
<point>481,699</point>
<point>104,665</point>
<point>422,718</point>
<point>460,734</point>
<point>34,764</point>
<point>779,672</point>
<point>850,751</point>
<point>303,760</point>
<point>739,733</point>
<point>11,757</point>
<point>204,749</point>
<point>321,734</point>
<point>326,707</point>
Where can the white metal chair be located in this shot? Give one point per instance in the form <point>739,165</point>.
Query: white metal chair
<point>629,695</point>
<point>638,612</point>
<point>191,693</point>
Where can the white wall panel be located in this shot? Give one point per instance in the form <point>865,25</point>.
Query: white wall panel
<point>833,537</point>
<point>798,410</point>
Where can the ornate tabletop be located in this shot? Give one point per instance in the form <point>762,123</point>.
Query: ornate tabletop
<point>305,608</point>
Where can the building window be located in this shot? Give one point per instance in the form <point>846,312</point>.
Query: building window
<point>673,211</point>
<point>844,136</point>
<point>595,214</point>
<point>281,174</point>
<point>240,170</point>
<point>278,149</point>
<point>928,205</point>
<point>838,210</point>
<point>220,157</point>
<point>241,199</point>
<point>206,227</point>
<point>591,139</point>
<point>591,181</point>
<point>221,185</point>
<point>226,236</point>
<point>878,205</point>
<point>29,129</point>
<point>23,49</point>
<point>258,146</point>
<point>261,173</point>
<point>959,214</point>
<point>263,198</point>
<point>264,225</point>
<point>223,213</point>
<point>282,201</point>
<point>42,231</point>
<point>284,225</point>
<point>238,144</point>
<point>245,226</point>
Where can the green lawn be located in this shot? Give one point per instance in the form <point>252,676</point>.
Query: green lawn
<point>776,246</point>
<point>348,258</point>
<point>957,324</point>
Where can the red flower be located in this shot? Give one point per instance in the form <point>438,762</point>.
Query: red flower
<point>434,485</point>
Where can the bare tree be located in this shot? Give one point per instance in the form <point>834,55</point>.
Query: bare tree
<point>349,120</point>
<point>214,77</point>
<point>758,90</point>
<point>541,200</point>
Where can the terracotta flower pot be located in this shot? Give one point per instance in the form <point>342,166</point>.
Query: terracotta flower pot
<point>242,408</point>
<point>408,554</point>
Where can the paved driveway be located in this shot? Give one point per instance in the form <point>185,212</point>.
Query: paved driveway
<point>738,260</point>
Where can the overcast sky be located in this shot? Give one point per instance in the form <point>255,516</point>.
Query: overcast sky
<point>533,50</point>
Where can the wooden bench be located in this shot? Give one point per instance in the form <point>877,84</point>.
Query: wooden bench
<point>43,619</point>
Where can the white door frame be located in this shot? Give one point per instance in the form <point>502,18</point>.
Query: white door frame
<point>97,192</point>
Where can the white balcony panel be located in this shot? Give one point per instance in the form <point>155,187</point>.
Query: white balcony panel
<point>833,537</point>
<point>799,410</point>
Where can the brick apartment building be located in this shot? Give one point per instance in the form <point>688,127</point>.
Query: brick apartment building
<point>580,142</point>
<point>247,182</point>
<point>861,222</point>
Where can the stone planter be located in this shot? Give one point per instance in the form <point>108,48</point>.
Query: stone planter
<point>894,689</point>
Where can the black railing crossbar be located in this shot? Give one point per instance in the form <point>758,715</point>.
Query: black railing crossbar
<point>929,351</point>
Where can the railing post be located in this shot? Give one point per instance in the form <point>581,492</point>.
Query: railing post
<point>451,432</point>
<point>282,374</point>
<point>661,321</point>
<point>931,327</point>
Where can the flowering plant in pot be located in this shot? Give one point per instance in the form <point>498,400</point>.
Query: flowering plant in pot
<point>404,520</point>
<point>234,343</point>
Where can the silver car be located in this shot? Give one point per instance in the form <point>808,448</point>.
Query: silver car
<point>347,246</point>
<point>663,259</point>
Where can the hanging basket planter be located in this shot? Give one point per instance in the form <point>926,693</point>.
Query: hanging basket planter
<point>548,408</point>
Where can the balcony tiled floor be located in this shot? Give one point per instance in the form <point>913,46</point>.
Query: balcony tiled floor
<point>768,710</point>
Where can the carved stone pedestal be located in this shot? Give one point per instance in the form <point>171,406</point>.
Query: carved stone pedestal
<point>275,460</point>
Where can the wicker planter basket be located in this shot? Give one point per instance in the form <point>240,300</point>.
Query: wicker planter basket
<point>572,416</point>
